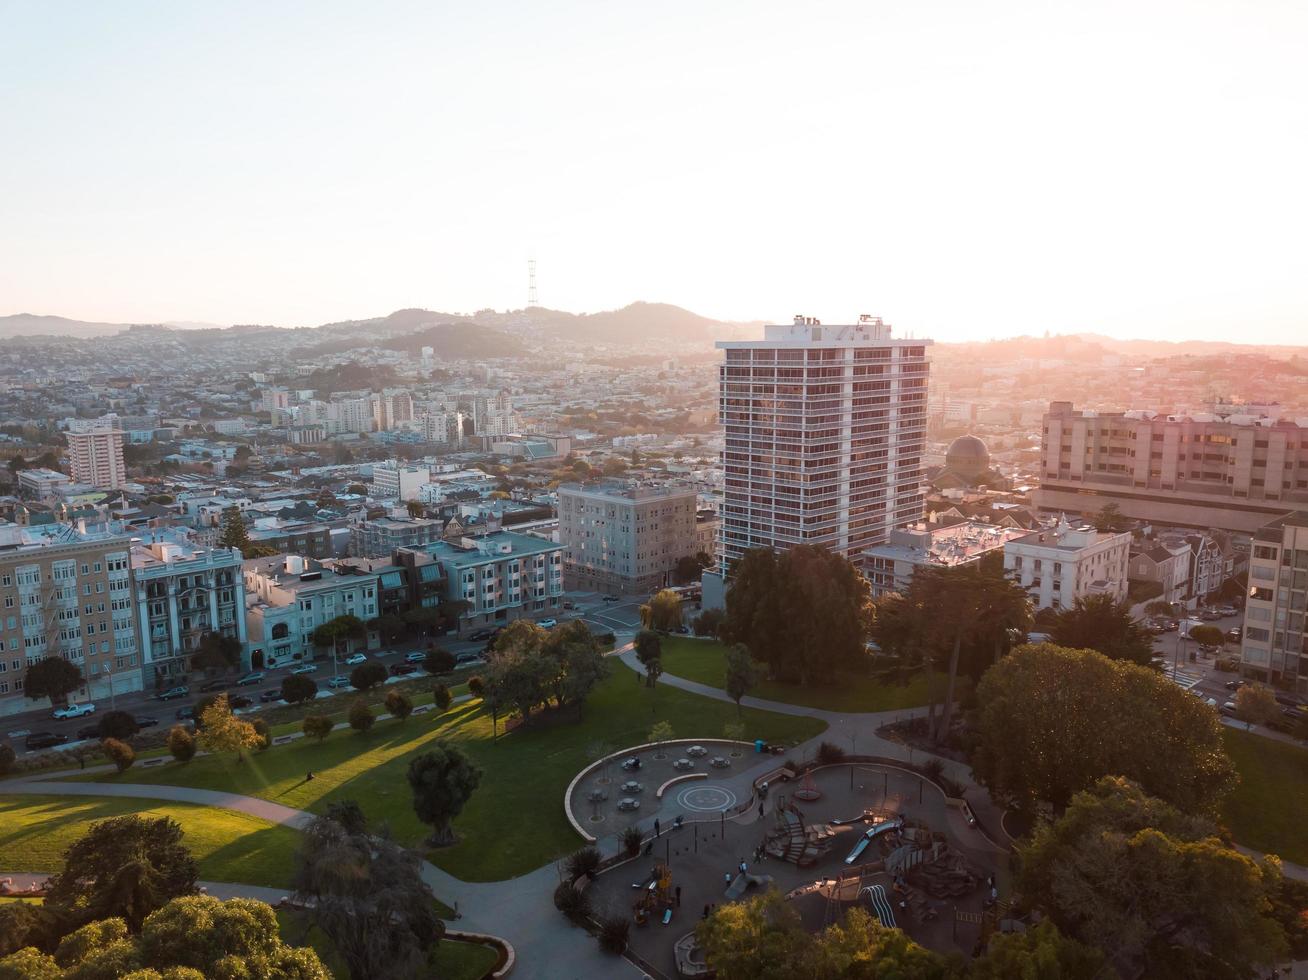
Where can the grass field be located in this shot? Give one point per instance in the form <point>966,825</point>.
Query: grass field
<point>515,821</point>
<point>704,661</point>
<point>451,961</point>
<point>229,846</point>
<point>1266,811</point>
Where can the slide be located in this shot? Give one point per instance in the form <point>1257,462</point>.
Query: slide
<point>871,834</point>
<point>881,907</point>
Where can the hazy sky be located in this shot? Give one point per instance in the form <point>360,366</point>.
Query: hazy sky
<point>965,169</point>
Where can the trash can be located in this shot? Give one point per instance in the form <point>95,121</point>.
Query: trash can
<point>759,745</point>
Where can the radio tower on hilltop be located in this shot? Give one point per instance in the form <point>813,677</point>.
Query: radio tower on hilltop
<point>532,302</point>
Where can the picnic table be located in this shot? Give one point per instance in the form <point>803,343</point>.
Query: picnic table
<point>627,803</point>
<point>631,763</point>
<point>719,762</point>
<point>631,786</point>
<point>597,796</point>
<point>696,751</point>
<point>683,764</point>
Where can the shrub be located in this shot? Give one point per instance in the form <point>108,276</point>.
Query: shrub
<point>829,753</point>
<point>631,841</point>
<point>7,758</point>
<point>181,744</point>
<point>613,934</point>
<point>439,661</point>
<point>1229,664</point>
<point>316,726</point>
<point>708,623</point>
<point>583,862</point>
<point>119,753</point>
<point>367,675</point>
<point>361,717</point>
<point>571,901</point>
<point>440,696</point>
<point>349,815</point>
<point>607,639</point>
<point>296,689</point>
<point>398,705</point>
<point>265,736</point>
<point>476,686</point>
<point>933,769</point>
<point>119,725</point>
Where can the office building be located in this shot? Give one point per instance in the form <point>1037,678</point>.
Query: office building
<point>1058,565</point>
<point>95,452</point>
<point>1234,471</point>
<point>824,429</point>
<point>66,593</point>
<point>1274,646</point>
<point>625,537</point>
<point>890,566</point>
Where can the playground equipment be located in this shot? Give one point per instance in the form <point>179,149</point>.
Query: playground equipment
<point>794,842</point>
<point>655,897</point>
<point>880,904</point>
<point>873,832</point>
<point>808,791</point>
<point>745,881</point>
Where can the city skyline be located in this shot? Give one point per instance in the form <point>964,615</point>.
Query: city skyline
<point>1130,171</point>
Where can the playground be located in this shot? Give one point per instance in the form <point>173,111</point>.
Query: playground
<point>875,836</point>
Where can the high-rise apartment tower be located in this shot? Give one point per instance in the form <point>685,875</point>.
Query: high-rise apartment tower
<point>95,452</point>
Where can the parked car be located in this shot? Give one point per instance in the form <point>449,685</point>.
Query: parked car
<point>356,658</point>
<point>569,604</point>
<point>338,682</point>
<point>253,677</point>
<point>305,669</point>
<point>89,731</point>
<point>1235,634</point>
<point>186,714</point>
<point>1209,651</point>
<point>1209,615</point>
<point>548,624</point>
<point>173,693</point>
<point>467,658</point>
<point>209,686</point>
<point>613,598</point>
<point>403,670</point>
<point>1228,709</point>
<point>1171,625</point>
<point>1228,610</point>
<point>145,721</point>
<point>45,740</point>
<point>272,694</point>
<point>1287,700</point>
<point>683,629</point>
<point>74,710</point>
<point>1235,685</point>
<point>417,657</point>
<point>478,635</point>
<point>238,701</point>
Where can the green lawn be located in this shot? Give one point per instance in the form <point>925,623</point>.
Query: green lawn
<point>451,961</point>
<point>514,822</point>
<point>704,661</point>
<point>229,846</point>
<point>1266,811</point>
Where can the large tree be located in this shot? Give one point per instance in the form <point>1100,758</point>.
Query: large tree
<point>1255,704</point>
<point>125,867</point>
<point>804,613</point>
<point>218,730</point>
<point>217,652</point>
<point>1050,721</point>
<point>1038,953</point>
<point>442,779</point>
<point>52,677</point>
<point>1152,887</point>
<point>233,532</point>
<point>578,663</point>
<point>742,675</point>
<point>1100,622</point>
<point>663,612</point>
<point>649,651</point>
<point>337,633</point>
<point>366,893</point>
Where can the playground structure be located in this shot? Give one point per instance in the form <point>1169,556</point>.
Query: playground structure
<point>655,896</point>
<point>794,841</point>
<point>878,828</point>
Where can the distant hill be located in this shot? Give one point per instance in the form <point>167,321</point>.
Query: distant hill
<point>634,323</point>
<point>460,340</point>
<point>35,325</point>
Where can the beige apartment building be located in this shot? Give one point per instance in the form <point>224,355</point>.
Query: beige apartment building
<point>66,593</point>
<point>1274,646</point>
<point>625,537</point>
<point>1221,470</point>
<point>95,452</point>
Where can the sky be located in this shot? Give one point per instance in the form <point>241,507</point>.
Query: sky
<point>965,170</point>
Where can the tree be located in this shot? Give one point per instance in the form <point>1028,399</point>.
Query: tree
<point>119,753</point>
<point>181,744</point>
<point>217,652</point>
<point>1209,636</point>
<point>361,717</point>
<point>415,508</point>
<point>424,619</point>
<point>1151,886</point>
<point>614,467</point>
<point>690,567</point>
<point>298,688</point>
<point>1051,721</point>
<point>476,686</point>
<point>7,758</point>
<point>368,675</point>
<point>317,726</point>
<point>349,815</point>
<point>233,532</point>
<point>1100,622</point>
<point>221,731</point>
<point>438,661</point>
<point>1110,519</point>
<point>441,697</point>
<point>337,633</point>
<point>804,613</point>
<point>125,867</point>
<point>663,613</point>
<point>660,733</point>
<point>442,780</point>
<point>389,626</point>
<point>398,705</point>
<point>1158,608</point>
<point>262,733</point>
<point>1255,704</point>
<point>708,623</point>
<point>575,664</point>
<point>27,924</point>
<point>366,894</point>
<point>52,677</point>
<point>649,651</point>
<point>1041,951</point>
<point>118,724</point>
<point>741,673</point>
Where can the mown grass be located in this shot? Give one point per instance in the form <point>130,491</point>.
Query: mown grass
<point>1266,810</point>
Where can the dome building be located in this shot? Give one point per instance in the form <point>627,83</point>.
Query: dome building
<point>967,464</point>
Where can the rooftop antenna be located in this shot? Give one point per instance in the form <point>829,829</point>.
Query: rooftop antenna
<point>532,301</point>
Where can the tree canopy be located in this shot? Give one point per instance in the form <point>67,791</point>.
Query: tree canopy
<point>663,612</point>
<point>742,676</point>
<point>442,779</point>
<point>232,532</point>
<point>221,731</point>
<point>52,677</point>
<point>530,666</point>
<point>1100,622</point>
<point>1051,721</point>
<point>217,652</point>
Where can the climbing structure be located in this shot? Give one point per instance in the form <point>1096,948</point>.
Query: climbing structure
<point>791,840</point>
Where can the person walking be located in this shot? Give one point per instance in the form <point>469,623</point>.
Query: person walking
<point>678,896</point>
<point>656,826</point>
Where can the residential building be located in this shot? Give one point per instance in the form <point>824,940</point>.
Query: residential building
<point>399,481</point>
<point>182,592</point>
<point>1274,647</point>
<point>622,536</point>
<point>392,407</point>
<point>494,416</point>
<point>95,452</point>
<point>1234,471</point>
<point>287,597</point>
<point>274,399</point>
<point>502,576</point>
<point>39,483</point>
<point>824,429</point>
<point>443,428</point>
<point>384,535</point>
<point>890,566</point>
<point>354,414</point>
<point>1058,565</point>
<point>1168,564</point>
<point>67,592</point>
<point>310,538</point>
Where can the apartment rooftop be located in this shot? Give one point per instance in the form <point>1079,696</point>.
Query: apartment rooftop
<point>950,545</point>
<point>807,331</point>
<point>496,546</point>
<point>164,547</point>
<point>629,490</point>
<point>1065,537</point>
<point>1272,531</point>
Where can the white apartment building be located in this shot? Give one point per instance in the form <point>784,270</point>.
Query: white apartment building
<point>273,399</point>
<point>1060,564</point>
<point>287,597</point>
<point>95,452</point>
<point>392,407</point>
<point>183,592</point>
<point>824,429</point>
<point>494,416</point>
<point>39,483</point>
<point>354,414</point>
<point>1275,643</point>
<point>443,428</point>
<point>623,536</point>
<point>889,567</point>
<point>393,480</point>
<point>502,576</point>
